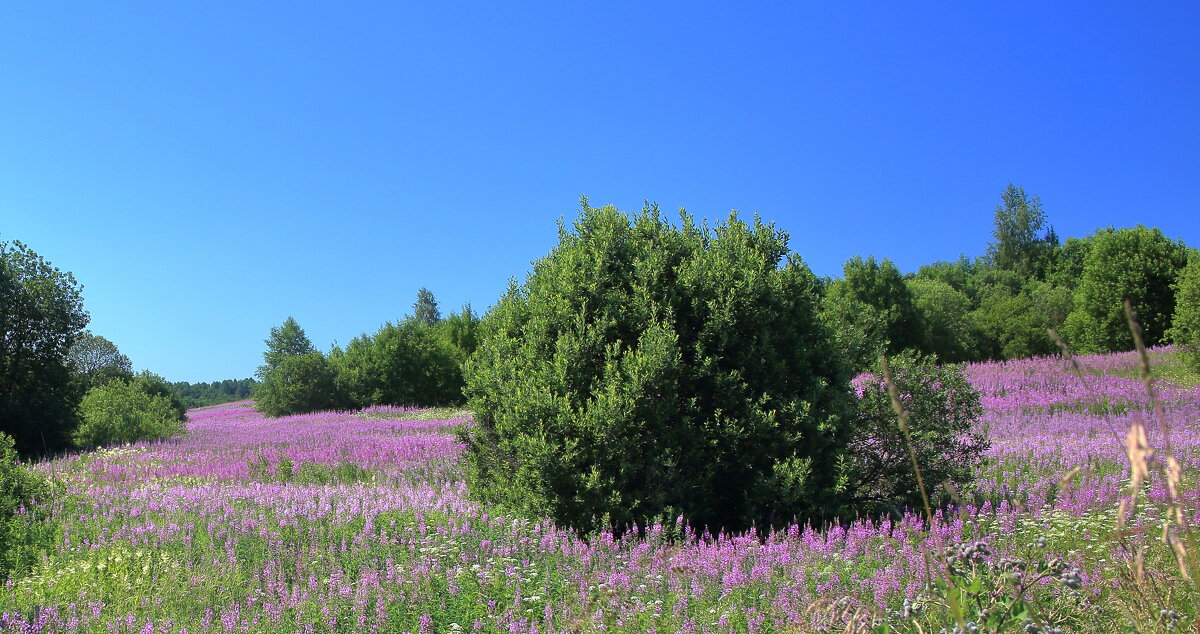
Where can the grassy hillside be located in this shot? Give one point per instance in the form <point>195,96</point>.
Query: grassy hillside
<point>360,522</point>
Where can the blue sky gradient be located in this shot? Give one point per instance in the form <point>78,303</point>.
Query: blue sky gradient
<point>208,168</point>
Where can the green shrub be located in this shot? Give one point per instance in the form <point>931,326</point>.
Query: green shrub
<point>120,412</point>
<point>297,384</point>
<point>26,526</point>
<point>155,385</point>
<point>645,371</point>
<point>942,408</point>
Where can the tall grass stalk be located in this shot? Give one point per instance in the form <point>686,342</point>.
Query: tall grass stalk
<point>1174,536</point>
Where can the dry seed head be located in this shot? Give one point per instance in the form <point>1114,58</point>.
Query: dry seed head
<point>1065,481</point>
<point>1122,512</point>
<point>1174,477</point>
<point>1139,454</point>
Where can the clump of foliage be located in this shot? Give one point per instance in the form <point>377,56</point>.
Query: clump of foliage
<point>1185,326</point>
<point>646,370</point>
<point>121,412</point>
<point>41,314</point>
<point>408,363</point>
<point>942,410</point>
<point>946,311</point>
<point>1139,265</point>
<point>872,301</point>
<point>27,528</point>
<point>295,378</point>
<point>156,386</point>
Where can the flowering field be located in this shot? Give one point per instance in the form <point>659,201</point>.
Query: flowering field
<point>361,523</point>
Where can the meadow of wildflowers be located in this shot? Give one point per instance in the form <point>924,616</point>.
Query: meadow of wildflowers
<point>359,522</point>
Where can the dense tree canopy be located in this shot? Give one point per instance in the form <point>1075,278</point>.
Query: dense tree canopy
<point>1011,324</point>
<point>297,384</point>
<point>946,313</point>
<point>96,360</point>
<point>41,314</point>
<point>401,364</point>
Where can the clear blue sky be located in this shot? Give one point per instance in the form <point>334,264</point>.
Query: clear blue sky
<point>206,169</point>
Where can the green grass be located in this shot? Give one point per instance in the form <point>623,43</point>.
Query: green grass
<point>1166,366</point>
<point>430,413</point>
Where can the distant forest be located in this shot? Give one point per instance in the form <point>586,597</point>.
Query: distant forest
<point>215,393</point>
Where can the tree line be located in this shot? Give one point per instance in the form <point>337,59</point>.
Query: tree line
<point>1028,284</point>
<point>1028,287</point>
<point>417,361</point>
<point>214,393</point>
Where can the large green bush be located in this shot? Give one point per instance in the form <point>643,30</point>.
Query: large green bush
<point>645,370</point>
<point>124,412</point>
<point>1139,265</point>
<point>155,385</point>
<point>27,528</point>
